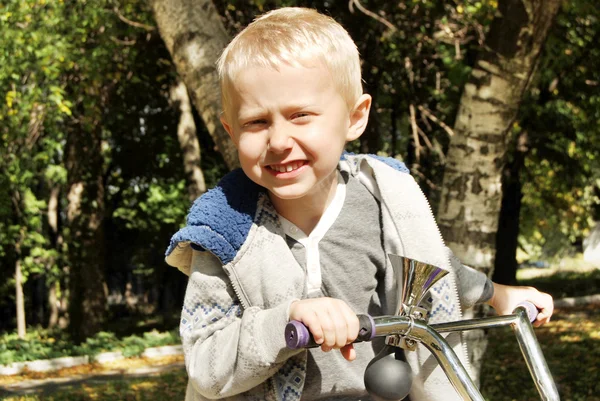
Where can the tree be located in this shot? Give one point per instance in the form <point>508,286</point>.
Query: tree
<point>471,193</point>
<point>188,141</point>
<point>549,189</point>
<point>194,35</point>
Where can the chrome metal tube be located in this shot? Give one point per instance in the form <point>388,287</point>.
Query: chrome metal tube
<point>534,358</point>
<point>447,359</point>
<point>530,348</point>
<point>429,336</point>
<point>472,324</point>
<point>419,331</point>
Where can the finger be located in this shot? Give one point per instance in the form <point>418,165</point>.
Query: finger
<point>329,330</point>
<point>340,326</point>
<point>312,321</point>
<point>542,318</point>
<point>348,352</point>
<point>546,305</point>
<point>352,325</point>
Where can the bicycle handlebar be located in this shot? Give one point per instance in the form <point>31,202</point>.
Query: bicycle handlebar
<point>297,335</point>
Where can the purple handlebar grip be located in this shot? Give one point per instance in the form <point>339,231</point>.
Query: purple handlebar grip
<point>366,333</point>
<point>531,310</point>
<point>296,335</point>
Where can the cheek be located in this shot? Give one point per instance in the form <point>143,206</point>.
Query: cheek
<point>250,146</point>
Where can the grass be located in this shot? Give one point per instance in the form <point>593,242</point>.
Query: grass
<point>570,345</point>
<point>570,342</point>
<point>566,282</point>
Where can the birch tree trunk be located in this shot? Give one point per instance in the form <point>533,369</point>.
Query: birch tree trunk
<point>188,141</point>
<point>55,240</point>
<point>195,37</point>
<point>20,300</point>
<point>471,194</point>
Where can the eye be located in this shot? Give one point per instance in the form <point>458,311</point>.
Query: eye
<point>301,117</point>
<point>254,123</point>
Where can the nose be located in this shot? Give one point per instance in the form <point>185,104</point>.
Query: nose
<point>280,139</point>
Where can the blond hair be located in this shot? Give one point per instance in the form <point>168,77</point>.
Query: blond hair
<point>296,36</point>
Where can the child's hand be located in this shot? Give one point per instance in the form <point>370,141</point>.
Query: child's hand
<point>331,322</point>
<point>506,298</point>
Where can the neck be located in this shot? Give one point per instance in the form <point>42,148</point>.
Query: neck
<point>306,212</point>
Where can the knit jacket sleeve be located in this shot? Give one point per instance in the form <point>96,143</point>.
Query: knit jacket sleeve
<point>473,286</point>
<point>228,349</point>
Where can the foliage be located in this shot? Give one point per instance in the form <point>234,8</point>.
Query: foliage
<point>74,66</point>
<point>561,115</point>
<point>44,344</point>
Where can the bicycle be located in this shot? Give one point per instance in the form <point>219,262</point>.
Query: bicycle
<point>390,378</point>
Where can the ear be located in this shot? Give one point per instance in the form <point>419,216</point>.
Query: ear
<point>359,117</point>
<point>229,129</point>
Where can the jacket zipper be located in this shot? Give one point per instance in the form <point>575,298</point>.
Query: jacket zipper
<point>234,279</point>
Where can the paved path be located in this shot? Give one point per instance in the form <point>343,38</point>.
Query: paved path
<point>577,301</point>
<point>49,385</point>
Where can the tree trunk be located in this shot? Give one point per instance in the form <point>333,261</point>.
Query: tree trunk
<point>85,214</point>
<point>55,240</point>
<point>471,193</point>
<point>505,264</point>
<point>53,303</point>
<point>19,296</point>
<point>20,300</point>
<point>195,36</point>
<point>188,141</point>
<point>470,202</point>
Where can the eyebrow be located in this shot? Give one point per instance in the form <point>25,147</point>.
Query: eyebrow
<point>257,112</point>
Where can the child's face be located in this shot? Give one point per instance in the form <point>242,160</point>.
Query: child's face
<point>290,127</point>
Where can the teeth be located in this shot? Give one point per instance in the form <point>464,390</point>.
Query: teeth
<point>287,168</point>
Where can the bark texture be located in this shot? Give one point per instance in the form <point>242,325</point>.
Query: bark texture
<point>188,141</point>
<point>85,215</point>
<point>195,37</point>
<point>472,193</point>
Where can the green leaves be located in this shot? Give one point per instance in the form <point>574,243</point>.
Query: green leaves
<point>561,117</point>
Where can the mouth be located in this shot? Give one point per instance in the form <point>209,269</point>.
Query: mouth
<point>286,167</point>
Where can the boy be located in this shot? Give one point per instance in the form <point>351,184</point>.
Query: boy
<point>303,230</point>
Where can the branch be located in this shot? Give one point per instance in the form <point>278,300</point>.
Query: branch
<point>415,132</point>
<point>123,42</point>
<point>433,118</point>
<point>371,14</point>
<point>425,139</point>
<point>414,169</point>
<point>133,23</point>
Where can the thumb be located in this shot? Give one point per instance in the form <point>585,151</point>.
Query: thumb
<point>348,352</point>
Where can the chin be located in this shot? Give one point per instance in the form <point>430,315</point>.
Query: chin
<point>287,193</point>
